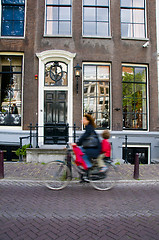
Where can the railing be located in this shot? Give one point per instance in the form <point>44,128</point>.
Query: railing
<point>53,134</point>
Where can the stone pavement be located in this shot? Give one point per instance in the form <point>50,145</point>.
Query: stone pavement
<point>33,171</point>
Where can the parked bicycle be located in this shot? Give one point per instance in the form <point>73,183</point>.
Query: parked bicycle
<point>57,174</point>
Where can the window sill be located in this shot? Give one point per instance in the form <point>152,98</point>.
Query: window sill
<point>100,37</point>
<point>135,39</point>
<point>57,36</point>
<point>11,37</point>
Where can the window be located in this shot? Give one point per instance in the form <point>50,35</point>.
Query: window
<point>12,23</point>
<point>133,19</point>
<point>96,18</point>
<point>134,97</point>
<point>96,99</point>
<point>58,17</point>
<point>10,90</point>
<point>56,74</point>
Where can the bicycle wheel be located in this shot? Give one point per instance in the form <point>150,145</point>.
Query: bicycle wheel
<point>56,175</point>
<point>106,180</point>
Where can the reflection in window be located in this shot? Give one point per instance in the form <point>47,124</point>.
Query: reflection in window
<point>134,97</point>
<point>55,74</point>
<point>10,90</point>
<point>96,98</point>
<point>58,17</point>
<point>133,18</point>
<point>96,18</point>
<point>13,12</point>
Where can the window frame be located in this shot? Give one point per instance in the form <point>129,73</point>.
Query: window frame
<point>45,20</point>
<point>147,96</point>
<point>12,54</point>
<point>24,20</point>
<point>110,95</point>
<point>132,23</point>
<point>96,7</point>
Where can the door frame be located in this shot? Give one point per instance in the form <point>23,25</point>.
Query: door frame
<point>48,56</point>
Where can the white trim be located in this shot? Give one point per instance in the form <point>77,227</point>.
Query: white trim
<point>16,54</point>
<point>110,90</point>
<point>147,99</point>
<point>44,57</point>
<point>140,146</point>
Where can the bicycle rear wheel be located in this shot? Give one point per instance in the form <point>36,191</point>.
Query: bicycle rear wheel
<point>105,181</point>
<point>56,175</point>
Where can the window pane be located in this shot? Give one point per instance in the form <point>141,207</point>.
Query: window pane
<point>90,73</point>
<point>102,3</point>
<point>64,28</point>
<point>138,3</point>
<point>89,14</point>
<point>126,15</point>
<point>138,16</point>
<point>65,2</point>
<point>88,2</point>
<point>140,75</point>
<point>65,13</point>
<point>14,1</point>
<point>139,30</point>
<point>126,30</point>
<point>7,13</point>
<point>126,3</point>
<point>54,13</point>
<point>102,14</point>
<point>103,73</point>
<point>102,29</point>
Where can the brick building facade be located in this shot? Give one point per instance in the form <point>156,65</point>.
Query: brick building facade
<point>114,42</point>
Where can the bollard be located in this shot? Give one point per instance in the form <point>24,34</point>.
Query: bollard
<point>1,165</point>
<point>136,166</point>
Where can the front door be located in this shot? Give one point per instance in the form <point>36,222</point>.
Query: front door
<point>55,116</point>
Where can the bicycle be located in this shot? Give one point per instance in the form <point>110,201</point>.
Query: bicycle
<point>57,174</point>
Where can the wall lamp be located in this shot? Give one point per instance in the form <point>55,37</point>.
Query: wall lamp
<point>77,70</point>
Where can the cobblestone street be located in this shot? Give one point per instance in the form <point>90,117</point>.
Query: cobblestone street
<point>30,211</point>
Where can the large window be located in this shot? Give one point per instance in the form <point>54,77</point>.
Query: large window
<point>134,81</point>
<point>12,22</point>
<point>58,17</point>
<point>133,19</point>
<point>10,90</point>
<point>96,18</point>
<point>96,93</point>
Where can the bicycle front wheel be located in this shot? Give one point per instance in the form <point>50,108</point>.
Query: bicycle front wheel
<point>56,175</point>
<point>105,181</point>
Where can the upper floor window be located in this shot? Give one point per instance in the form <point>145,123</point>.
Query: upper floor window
<point>96,93</point>
<point>134,81</point>
<point>96,18</point>
<point>10,90</point>
<point>12,22</point>
<point>58,17</point>
<point>133,19</point>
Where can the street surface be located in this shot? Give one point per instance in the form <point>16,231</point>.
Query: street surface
<point>30,211</point>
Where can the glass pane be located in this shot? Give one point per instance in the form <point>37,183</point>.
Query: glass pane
<point>90,73</point>
<point>128,89</point>
<point>126,15</point>
<point>126,3</point>
<point>18,13</point>
<point>126,30</point>
<point>127,74</point>
<point>64,28</point>
<point>52,2</point>
<point>138,16</point>
<point>102,29</point>
<point>141,88</point>
<point>102,14</point>
<point>89,14</point>
<point>102,3</point>
<point>138,3</point>
<point>103,73</point>
<point>49,28</point>
<point>65,13</point>
<point>14,1</point>
<point>53,13</point>
<point>7,13</point>
<point>88,2</point>
<point>140,75</point>
<point>19,28</point>
<point>89,28</point>
<point>139,30</point>
<point>65,2</point>
<point>6,28</point>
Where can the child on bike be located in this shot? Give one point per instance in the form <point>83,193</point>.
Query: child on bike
<point>105,151</point>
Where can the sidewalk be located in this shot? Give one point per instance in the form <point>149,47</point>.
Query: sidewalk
<point>33,171</point>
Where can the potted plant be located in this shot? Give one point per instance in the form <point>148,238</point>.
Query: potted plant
<point>22,151</point>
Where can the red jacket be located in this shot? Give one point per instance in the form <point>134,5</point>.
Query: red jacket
<point>79,160</point>
<point>106,147</point>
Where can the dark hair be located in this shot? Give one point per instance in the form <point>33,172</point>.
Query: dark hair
<point>90,119</point>
<point>106,134</point>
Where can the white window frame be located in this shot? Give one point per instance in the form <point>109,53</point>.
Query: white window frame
<point>96,36</point>
<point>12,37</point>
<point>16,54</point>
<point>146,66</point>
<point>110,97</point>
<point>57,35</point>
